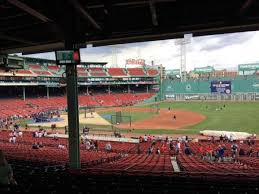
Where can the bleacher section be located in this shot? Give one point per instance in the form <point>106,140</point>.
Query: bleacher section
<point>40,70</point>
<point>22,108</point>
<point>97,72</point>
<point>149,172</point>
<point>36,67</point>
<point>23,72</point>
<point>116,72</point>
<point>152,72</point>
<point>136,72</point>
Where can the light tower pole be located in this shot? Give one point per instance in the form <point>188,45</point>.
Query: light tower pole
<point>114,56</point>
<point>183,42</point>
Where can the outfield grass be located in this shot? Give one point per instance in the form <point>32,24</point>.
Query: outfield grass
<point>236,116</point>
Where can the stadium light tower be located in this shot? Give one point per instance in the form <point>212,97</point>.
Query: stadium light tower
<point>115,49</point>
<point>114,56</point>
<point>183,42</point>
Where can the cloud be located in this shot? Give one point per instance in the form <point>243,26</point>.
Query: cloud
<point>220,51</point>
<point>221,41</point>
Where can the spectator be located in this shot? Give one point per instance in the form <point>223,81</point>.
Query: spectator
<point>250,151</point>
<point>209,152</point>
<point>40,145</point>
<point>150,150</point>
<point>188,151</point>
<point>221,153</point>
<point>87,145</point>
<point>92,145</point>
<point>35,146</point>
<point>145,138</point>
<point>171,145</point>
<point>108,147</point>
<point>6,174</point>
<point>241,152</point>
<point>12,139</point>
<point>158,151</point>
<point>60,146</point>
<point>178,146</point>
<point>20,133</point>
<point>163,148</point>
<point>96,144</point>
<point>234,148</point>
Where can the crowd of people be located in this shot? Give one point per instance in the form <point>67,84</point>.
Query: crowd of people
<point>45,116</point>
<point>40,132</point>
<point>15,132</point>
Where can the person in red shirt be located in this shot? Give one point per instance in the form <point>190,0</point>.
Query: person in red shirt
<point>163,148</point>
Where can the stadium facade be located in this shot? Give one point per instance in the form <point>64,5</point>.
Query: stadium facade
<point>32,77</point>
<point>206,83</point>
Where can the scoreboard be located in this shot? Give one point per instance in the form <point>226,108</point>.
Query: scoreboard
<point>65,57</point>
<point>222,87</point>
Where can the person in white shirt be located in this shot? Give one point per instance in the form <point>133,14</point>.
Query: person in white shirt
<point>61,146</point>
<point>108,147</point>
<point>20,133</point>
<point>178,147</point>
<point>12,139</point>
<point>87,145</point>
<point>145,138</point>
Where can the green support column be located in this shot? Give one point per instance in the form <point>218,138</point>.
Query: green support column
<point>73,117</point>
<point>24,93</point>
<point>47,92</point>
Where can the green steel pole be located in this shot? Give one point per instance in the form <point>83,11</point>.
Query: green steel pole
<point>47,92</point>
<point>161,88</point>
<point>24,93</point>
<point>73,116</point>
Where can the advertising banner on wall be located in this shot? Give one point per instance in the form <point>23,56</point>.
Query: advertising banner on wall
<point>135,62</point>
<point>222,87</point>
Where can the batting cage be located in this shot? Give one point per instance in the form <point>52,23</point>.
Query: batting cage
<point>88,110</point>
<point>154,108</point>
<point>119,118</point>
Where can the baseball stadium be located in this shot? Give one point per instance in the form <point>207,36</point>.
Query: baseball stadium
<point>74,126</point>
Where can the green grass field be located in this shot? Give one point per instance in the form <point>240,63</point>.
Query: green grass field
<point>236,116</point>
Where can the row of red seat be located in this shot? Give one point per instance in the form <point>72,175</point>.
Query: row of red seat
<point>196,164</point>
<point>28,139</point>
<point>51,155</point>
<point>22,108</point>
<point>136,164</point>
<point>99,71</point>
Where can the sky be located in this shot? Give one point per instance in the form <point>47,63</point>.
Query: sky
<point>223,51</point>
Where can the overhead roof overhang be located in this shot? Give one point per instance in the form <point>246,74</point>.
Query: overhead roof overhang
<point>47,25</point>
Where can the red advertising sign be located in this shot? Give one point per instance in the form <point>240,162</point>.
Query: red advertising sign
<point>135,62</point>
